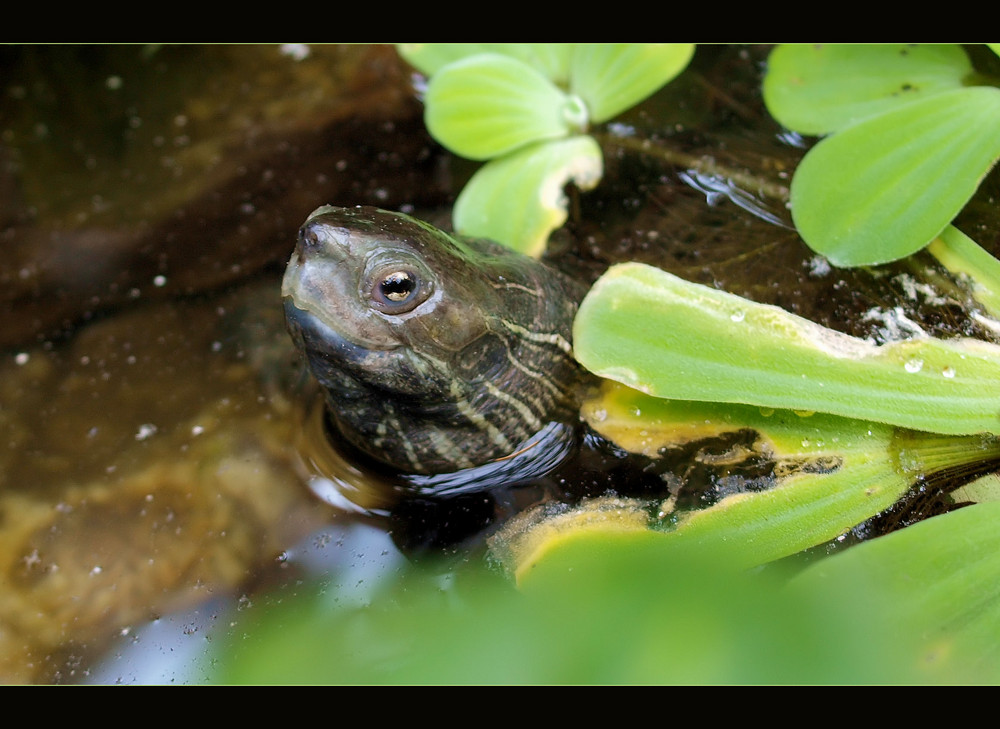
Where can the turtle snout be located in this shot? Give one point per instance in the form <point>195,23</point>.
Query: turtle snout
<point>317,238</point>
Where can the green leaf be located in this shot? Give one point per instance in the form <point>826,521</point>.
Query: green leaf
<point>884,187</point>
<point>670,338</point>
<point>612,77</point>
<point>488,105</point>
<point>613,610</point>
<point>830,473</point>
<point>429,58</point>
<point>817,89</point>
<point>939,580</point>
<point>552,59</point>
<point>518,199</point>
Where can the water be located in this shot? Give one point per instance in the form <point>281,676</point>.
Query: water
<point>148,395</point>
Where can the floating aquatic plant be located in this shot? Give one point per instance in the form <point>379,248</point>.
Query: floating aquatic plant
<point>525,109</point>
<point>912,129</point>
<point>674,339</point>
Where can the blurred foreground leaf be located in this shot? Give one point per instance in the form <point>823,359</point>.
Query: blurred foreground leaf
<point>940,581</point>
<point>611,611</point>
<point>920,605</point>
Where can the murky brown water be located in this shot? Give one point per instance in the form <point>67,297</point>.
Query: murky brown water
<point>148,391</point>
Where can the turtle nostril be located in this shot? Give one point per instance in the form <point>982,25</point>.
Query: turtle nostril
<point>318,239</point>
<point>309,239</point>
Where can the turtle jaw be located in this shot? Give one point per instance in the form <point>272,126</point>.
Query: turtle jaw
<point>338,364</point>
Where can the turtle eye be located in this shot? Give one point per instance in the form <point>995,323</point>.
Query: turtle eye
<point>398,291</point>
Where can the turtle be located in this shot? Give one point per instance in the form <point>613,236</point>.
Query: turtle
<point>446,362</point>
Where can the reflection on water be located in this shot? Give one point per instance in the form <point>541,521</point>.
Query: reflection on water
<point>355,560</point>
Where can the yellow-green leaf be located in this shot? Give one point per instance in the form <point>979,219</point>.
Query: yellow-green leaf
<point>518,199</point>
<point>488,105</point>
<point>612,77</point>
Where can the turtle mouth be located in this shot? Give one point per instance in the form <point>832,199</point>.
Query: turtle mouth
<point>316,334</point>
<point>337,362</point>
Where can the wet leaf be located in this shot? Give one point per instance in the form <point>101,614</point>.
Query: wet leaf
<point>828,475</point>
<point>820,88</point>
<point>670,338</point>
<point>488,105</point>
<point>883,188</point>
<point>518,199</point>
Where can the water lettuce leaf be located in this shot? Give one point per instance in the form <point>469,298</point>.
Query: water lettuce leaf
<point>674,339</point>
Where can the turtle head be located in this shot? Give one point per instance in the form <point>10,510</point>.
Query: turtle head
<point>375,298</point>
<point>418,337</point>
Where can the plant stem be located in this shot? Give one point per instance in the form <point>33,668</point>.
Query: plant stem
<point>961,255</point>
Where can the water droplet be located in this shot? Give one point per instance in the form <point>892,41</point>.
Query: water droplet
<point>948,372</point>
<point>737,316</point>
<point>911,460</point>
<point>914,365</point>
<point>21,358</point>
